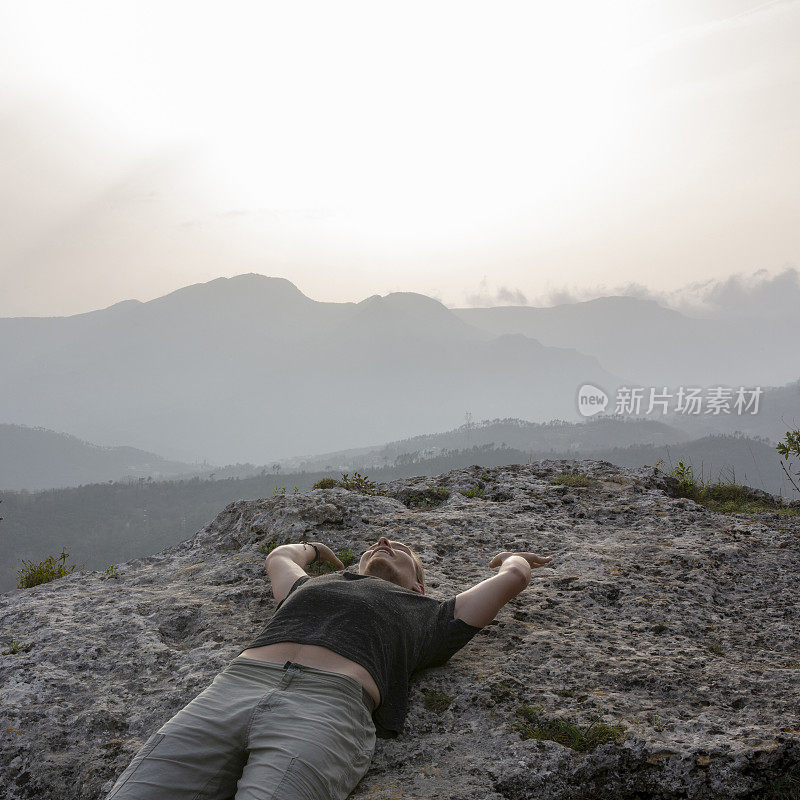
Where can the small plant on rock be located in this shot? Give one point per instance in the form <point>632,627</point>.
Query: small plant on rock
<point>716,647</point>
<point>684,474</point>
<point>573,479</point>
<point>660,627</point>
<point>267,547</point>
<point>359,483</point>
<point>789,448</point>
<point>326,483</point>
<point>437,701</point>
<point>577,737</point>
<point>430,497</point>
<point>565,692</point>
<point>346,556</point>
<point>32,574</point>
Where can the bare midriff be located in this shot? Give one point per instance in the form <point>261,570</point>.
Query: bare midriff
<point>313,655</point>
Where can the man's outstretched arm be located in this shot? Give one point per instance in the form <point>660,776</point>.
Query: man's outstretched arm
<point>287,562</point>
<point>479,605</point>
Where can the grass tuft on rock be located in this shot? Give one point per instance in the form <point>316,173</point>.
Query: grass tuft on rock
<point>724,496</point>
<point>573,479</point>
<point>716,647</point>
<point>437,701</point>
<point>536,725</point>
<point>430,497</point>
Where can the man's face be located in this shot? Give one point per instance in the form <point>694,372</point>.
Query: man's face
<point>391,561</point>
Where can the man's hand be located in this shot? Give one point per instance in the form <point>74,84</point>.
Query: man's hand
<point>326,554</point>
<point>479,605</point>
<point>532,559</point>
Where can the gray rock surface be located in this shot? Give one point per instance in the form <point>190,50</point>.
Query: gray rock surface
<point>678,623</point>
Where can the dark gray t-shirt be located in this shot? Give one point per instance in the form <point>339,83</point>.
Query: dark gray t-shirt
<point>391,631</point>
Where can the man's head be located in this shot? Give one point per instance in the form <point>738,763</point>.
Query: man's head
<point>395,562</point>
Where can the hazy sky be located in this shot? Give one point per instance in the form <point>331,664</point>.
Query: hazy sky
<point>477,152</point>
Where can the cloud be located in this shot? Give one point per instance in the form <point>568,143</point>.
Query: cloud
<point>759,295</point>
<point>566,295</point>
<point>502,296</point>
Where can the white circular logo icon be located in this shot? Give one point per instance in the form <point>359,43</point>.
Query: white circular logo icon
<point>591,400</point>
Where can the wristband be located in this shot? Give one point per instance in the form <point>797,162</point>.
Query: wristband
<point>316,558</point>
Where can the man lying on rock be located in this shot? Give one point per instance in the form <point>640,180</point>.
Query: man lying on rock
<point>297,713</point>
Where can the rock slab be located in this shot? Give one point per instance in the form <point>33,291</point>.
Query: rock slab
<point>673,625</point>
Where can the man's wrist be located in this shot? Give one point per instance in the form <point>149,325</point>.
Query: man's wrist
<point>302,553</point>
<point>517,564</point>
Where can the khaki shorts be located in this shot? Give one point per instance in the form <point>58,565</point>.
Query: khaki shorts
<point>260,731</point>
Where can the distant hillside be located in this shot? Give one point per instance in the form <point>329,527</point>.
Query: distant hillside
<point>518,434</point>
<point>37,458</point>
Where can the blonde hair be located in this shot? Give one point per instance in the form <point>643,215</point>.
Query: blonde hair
<point>418,568</point>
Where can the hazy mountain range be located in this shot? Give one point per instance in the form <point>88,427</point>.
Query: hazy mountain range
<point>648,344</point>
<point>248,369</point>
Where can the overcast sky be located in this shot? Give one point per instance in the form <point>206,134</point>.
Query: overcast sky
<point>481,153</point>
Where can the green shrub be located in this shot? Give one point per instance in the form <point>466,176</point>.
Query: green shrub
<point>326,483</point>
<point>475,491</point>
<point>789,448</point>
<point>32,574</point>
<point>684,474</point>
<point>111,571</point>
<point>577,737</point>
<point>359,483</point>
